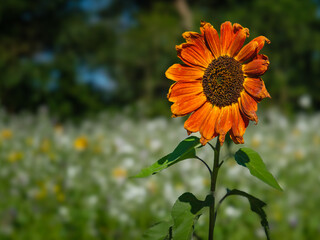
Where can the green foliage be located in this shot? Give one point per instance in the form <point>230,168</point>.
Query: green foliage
<point>247,157</point>
<point>256,206</point>
<point>159,231</point>
<point>186,210</point>
<point>186,149</point>
<point>43,45</point>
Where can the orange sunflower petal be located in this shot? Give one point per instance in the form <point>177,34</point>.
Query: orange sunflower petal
<point>248,106</point>
<point>256,67</point>
<point>179,72</point>
<point>262,57</point>
<point>188,95</point>
<point>226,33</point>
<point>224,123</point>
<point>211,38</point>
<point>184,88</point>
<point>207,129</point>
<point>261,40</point>
<point>247,52</point>
<point>256,88</point>
<point>238,41</point>
<point>193,37</point>
<point>187,104</point>
<point>236,27</point>
<point>239,125</point>
<point>194,122</point>
<point>236,139</point>
<point>198,39</point>
<point>192,55</point>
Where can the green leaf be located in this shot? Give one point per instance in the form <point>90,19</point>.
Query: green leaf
<point>185,149</point>
<point>159,231</point>
<point>256,206</point>
<point>185,212</point>
<point>249,158</point>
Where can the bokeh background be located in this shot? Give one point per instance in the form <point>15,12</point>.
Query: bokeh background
<point>83,106</point>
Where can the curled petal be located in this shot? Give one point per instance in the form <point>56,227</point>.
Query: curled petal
<point>226,33</point>
<point>207,128</point>
<point>236,139</point>
<point>247,52</point>
<point>187,104</point>
<point>184,88</point>
<point>262,57</point>
<point>198,39</point>
<point>211,38</point>
<point>192,55</point>
<point>236,27</point>
<point>178,72</point>
<point>256,88</point>
<point>261,40</point>
<point>256,68</point>
<point>248,106</point>
<point>224,123</point>
<point>195,121</point>
<point>193,37</point>
<point>238,41</point>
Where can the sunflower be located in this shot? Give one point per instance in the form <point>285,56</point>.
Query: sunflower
<point>220,81</point>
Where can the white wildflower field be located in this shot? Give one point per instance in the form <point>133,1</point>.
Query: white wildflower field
<point>72,180</point>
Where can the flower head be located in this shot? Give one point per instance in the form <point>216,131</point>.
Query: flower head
<point>119,173</point>
<point>6,133</point>
<point>81,143</point>
<point>15,156</point>
<point>220,81</point>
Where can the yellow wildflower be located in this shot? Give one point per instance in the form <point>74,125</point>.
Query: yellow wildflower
<point>179,186</point>
<point>119,173</point>
<point>81,143</point>
<point>52,156</point>
<point>6,133</point>
<point>15,156</point>
<point>206,182</point>
<point>152,187</point>
<point>299,155</point>
<point>42,192</point>
<point>41,195</point>
<point>45,146</point>
<point>255,142</point>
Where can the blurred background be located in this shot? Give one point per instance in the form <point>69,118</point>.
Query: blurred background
<point>83,106</point>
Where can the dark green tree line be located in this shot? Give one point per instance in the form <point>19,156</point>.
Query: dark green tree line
<point>43,45</point>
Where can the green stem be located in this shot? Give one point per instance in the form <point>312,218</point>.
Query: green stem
<point>214,176</point>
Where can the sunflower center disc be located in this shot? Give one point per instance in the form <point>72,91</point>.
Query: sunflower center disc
<point>223,81</point>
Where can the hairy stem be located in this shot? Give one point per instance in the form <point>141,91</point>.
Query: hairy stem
<point>214,175</point>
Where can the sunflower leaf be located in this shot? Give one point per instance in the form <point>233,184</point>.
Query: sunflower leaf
<point>256,206</point>
<point>185,149</point>
<point>247,157</point>
<point>159,231</point>
<point>186,210</point>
